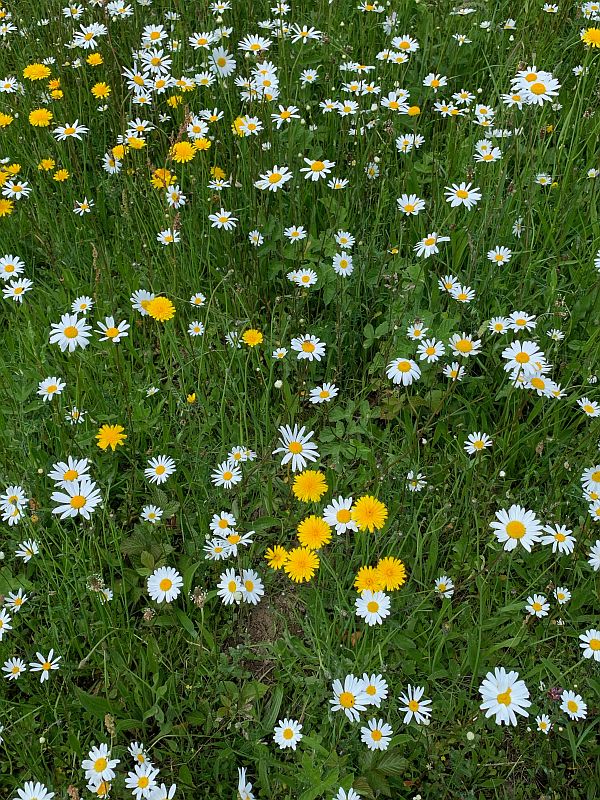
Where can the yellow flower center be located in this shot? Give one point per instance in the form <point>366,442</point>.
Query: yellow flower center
<point>275,177</point>
<point>100,764</point>
<point>572,706</point>
<point>376,735</point>
<point>413,705</point>
<point>538,88</point>
<point>160,470</point>
<point>515,529</point>
<point>288,734</point>
<point>372,606</point>
<point>70,475</point>
<point>504,697</point>
<point>78,501</point>
<point>317,166</point>
<point>347,700</point>
<point>462,193</point>
<point>594,644</point>
<point>70,332</point>
<point>227,475</point>
<point>165,584</point>
<point>403,366</point>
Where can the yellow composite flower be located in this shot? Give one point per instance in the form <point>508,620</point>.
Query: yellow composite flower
<point>368,579</point>
<point>61,175</point>
<point>110,436</point>
<point>5,120</point>
<point>46,164</point>
<point>6,207</point>
<point>392,572</point>
<point>252,337</point>
<point>301,564</point>
<point>160,308</point>
<point>161,178</point>
<point>314,532</point>
<point>309,486</point>
<point>182,152</point>
<point>276,556</point>
<point>40,117</point>
<point>95,59</point>
<point>36,72</point>
<point>369,513</point>
<point>591,37</point>
<point>100,90</point>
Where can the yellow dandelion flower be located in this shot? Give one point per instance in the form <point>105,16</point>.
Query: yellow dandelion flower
<point>392,572</point>
<point>161,178</point>
<point>301,564</point>
<point>202,144</point>
<point>40,117</point>
<point>276,556</point>
<point>591,37</point>
<point>36,72</point>
<point>160,308</point>
<point>314,532</point>
<point>309,486</point>
<point>252,337</point>
<point>110,436</point>
<point>182,152</point>
<point>368,579</point>
<point>61,175</point>
<point>369,513</point>
<point>6,207</point>
<point>100,90</point>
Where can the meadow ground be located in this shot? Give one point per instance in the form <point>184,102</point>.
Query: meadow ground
<point>378,226</point>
